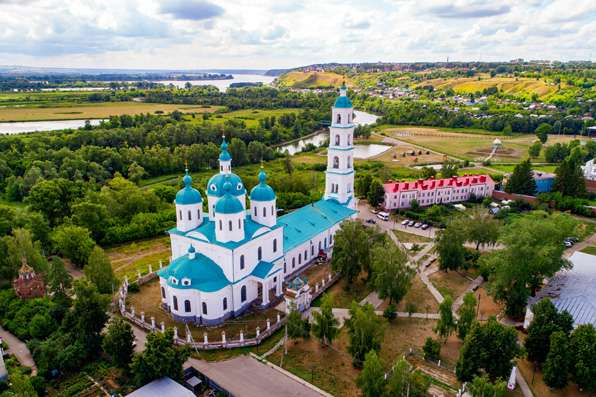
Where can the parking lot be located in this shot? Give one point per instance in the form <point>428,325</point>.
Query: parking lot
<point>367,216</point>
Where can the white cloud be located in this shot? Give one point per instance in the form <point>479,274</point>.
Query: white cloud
<point>273,33</point>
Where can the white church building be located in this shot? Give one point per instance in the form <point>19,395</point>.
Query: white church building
<point>235,256</point>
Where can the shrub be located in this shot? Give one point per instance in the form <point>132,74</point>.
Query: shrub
<point>431,349</point>
<point>390,312</point>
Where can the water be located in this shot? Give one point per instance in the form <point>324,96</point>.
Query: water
<point>223,85</point>
<point>51,125</point>
<point>360,151</point>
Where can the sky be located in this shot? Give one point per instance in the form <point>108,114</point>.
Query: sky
<point>264,34</point>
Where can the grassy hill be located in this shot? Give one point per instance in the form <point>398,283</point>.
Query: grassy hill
<point>298,79</point>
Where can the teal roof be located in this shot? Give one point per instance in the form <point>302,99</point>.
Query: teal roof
<point>262,269</point>
<point>204,274</point>
<point>215,185</point>
<point>228,204</point>
<point>188,195</point>
<point>224,155</point>
<point>343,102</point>
<point>262,192</point>
<point>305,223</point>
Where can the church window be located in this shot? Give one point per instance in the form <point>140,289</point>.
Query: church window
<point>264,211</point>
<point>305,254</point>
<point>175,302</point>
<point>220,225</point>
<point>239,223</point>
<point>243,293</point>
<point>180,214</point>
<point>221,167</point>
<point>325,242</point>
<point>230,225</point>
<point>337,140</point>
<point>338,118</point>
<point>312,250</point>
<point>187,306</point>
<point>241,262</point>
<point>335,162</point>
<point>293,262</point>
<point>331,239</point>
<point>272,210</point>
<point>274,245</point>
<point>285,269</point>
<point>189,216</point>
<point>204,308</point>
<point>239,186</point>
<point>255,211</point>
<point>260,253</point>
<point>349,162</point>
<point>300,258</point>
<point>213,187</point>
<point>163,292</point>
<point>225,304</point>
<point>198,214</point>
<point>319,245</point>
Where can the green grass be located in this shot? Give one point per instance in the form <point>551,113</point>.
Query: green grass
<point>590,250</point>
<point>251,117</point>
<point>510,167</point>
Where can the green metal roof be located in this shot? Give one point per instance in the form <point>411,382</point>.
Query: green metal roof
<point>262,192</point>
<point>204,274</point>
<point>188,195</point>
<point>305,223</point>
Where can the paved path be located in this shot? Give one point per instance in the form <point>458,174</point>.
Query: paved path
<point>471,288</point>
<point>523,385</point>
<point>19,349</point>
<point>373,299</point>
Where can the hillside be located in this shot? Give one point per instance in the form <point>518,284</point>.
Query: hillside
<point>298,79</point>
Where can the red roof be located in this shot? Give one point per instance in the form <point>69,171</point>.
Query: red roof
<point>431,183</point>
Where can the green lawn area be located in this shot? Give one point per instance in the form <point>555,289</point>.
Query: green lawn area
<point>129,258</point>
<point>342,294</point>
<point>250,116</point>
<point>406,237</point>
<point>590,250</point>
<point>510,167</point>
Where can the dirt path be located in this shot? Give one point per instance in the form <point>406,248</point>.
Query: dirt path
<point>19,349</point>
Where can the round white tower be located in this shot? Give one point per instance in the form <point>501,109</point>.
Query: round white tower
<point>229,217</point>
<point>262,202</point>
<point>339,181</point>
<point>189,206</point>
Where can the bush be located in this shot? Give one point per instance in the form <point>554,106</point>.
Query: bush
<point>431,349</point>
<point>134,287</point>
<point>390,312</point>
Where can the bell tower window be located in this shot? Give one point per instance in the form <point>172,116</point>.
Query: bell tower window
<point>335,162</point>
<point>338,118</point>
<point>337,140</point>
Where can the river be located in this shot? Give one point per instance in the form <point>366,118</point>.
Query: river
<point>222,85</point>
<point>50,125</point>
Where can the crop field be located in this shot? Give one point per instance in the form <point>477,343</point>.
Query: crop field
<point>510,85</point>
<point>251,117</point>
<point>471,146</point>
<point>299,79</point>
<point>93,111</point>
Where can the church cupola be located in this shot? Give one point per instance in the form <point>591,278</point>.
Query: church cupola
<point>189,206</point>
<point>229,216</point>
<point>225,160</point>
<point>262,202</point>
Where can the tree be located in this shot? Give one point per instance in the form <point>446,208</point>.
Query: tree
<point>136,172</point>
<point>449,244</point>
<point>160,358</point>
<point>431,349</point>
<point>507,130</point>
<point>558,361</point>
<point>481,386</point>
<point>74,242</point>
<point>325,326</point>
<point>289,167</point>
<point>376,193</point>
<point>467,315</point>
<point>449,168</point>
<point>542,132</point>
<point>569,179</point>
<point>583,357</point>
<point>362,185</point>
<point>481,228</point>
<point>522,181</point>
<point>42,325</point>
<point>446,323</point>
<point>54,197</point>
<point>20,385</point>
<point>297,327</point>
<point>372,378</point>
<point>534,149</point>
<point>118,342</point>
<point>404,382</point>
<point>547,320</point>
<point>99,271</point>
<point>490,348</point>
<point>533,251</point>
<point>428,172</point>
<point>20,247</point>
<point>392,276</point>
<point>59,280</point>
<point>366,332</point>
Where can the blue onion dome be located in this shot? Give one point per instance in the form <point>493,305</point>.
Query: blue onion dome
<point>215,185</point>
<point>262,192</point>
<point>228,204</point>
<point>343,101</point>
<point>224,155</point>
<point>188,194</point>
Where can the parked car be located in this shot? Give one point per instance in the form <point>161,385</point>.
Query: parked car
<point>568,244</point>
<point>425,226</point>
<point>405,223</point>
<point>371,221</point>
<point>417,225</point>
<point>383,216</point>
<point>411,223</point>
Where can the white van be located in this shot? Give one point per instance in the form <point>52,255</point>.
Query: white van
<point>383,216</point>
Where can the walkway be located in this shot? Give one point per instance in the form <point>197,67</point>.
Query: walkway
<point>19,349</point>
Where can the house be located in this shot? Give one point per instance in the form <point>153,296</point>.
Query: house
<point>436,191</point>
<point>590,171</point>
<point>544,181</point>
<point>163,387</point>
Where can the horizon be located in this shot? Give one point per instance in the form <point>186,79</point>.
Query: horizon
<point>208,35</point>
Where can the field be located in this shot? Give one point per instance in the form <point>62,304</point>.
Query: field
<point>128,259</point>
<point>297,79</point>
<point>93,111</point>
<point>250,116</point>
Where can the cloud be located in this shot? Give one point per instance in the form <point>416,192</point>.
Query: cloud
<point>468,11</point>
<point>195,10</point>
<point>351,23</point>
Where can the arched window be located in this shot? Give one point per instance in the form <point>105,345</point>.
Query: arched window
<point>187,306</point>
<point>189,216</point>
<point>239,223</point>
<point>241,262</point>
<point>335,162</point>
<point>349,162</point>
<point>180,214</point>
<point>272,210</point>
<point>204,308</point>
<point>274,245</point>
<point>225,304</point>
<point>255,211</point>
<point>338,118</point>
<point>319,245</point>
<point>175,302</point>
<point>312,250</point>
<point>243,293</point>
<point>293,263</point>
<point>300,258</point>
<point>305,254</point>
<point>325,242</point>
<point>220,225</point>
<point>337,140</point>
<point>264,211</point>
<point>163,292</point>
<point>230,225</point>
<point>199,214</point>
<point>260,253</point>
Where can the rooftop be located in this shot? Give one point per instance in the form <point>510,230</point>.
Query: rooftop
<point>431,183</point>
<point>163,387</point>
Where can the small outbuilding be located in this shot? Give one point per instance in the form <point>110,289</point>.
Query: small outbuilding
<point>163,387</point>
<point>28,284</point>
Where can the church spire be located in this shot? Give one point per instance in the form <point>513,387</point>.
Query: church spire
<point>225,160</point>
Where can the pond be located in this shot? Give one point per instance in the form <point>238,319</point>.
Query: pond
<point>369,150</point>
<point>51,125</point>
<point>222,85</point>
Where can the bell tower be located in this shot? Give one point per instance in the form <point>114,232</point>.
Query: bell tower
<point>339,177</point>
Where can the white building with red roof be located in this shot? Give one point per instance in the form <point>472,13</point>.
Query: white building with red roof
<point>436,191</point>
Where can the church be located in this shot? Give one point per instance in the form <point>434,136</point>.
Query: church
<point>235,256</point>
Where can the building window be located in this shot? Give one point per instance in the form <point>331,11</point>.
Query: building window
<point>338,118</point>
<point>312,250</point>
<point>349,162</point>
<point>335,162</point>
<point>175,302</point>
<point>241,262</point>
<point>187,306</point>
<point>239,223</point>
<point>199,214</point>
<point>319,245</point>
<point>163,292</point>
<point>260,253</point>
<point>180,214</point>
<point>255,211</point>
<point>204,308</point>
<point>293,262</point>
<point>220,225</point>
<point>243,293</point>
<point>264,211</point>
<point>325,242</point>
<point>189,216</point>
<point>225,304</point>
<point>274,245</point>
<point>300,258</point>
<point>272,210</point>
<point>337,140</point>
<point>305,254</point>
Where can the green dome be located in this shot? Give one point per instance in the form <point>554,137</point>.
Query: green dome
<point>262,192</point>
<point>188,194</point>
<point>215,185</point>
<point>343,102</point>
<point>228,204</point>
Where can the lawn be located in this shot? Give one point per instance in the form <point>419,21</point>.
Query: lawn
<point>93,111</point>
<point>522,86</point>
<point>405,237</point>
<point>298,79</point>
<point>538,387</point>
<point>510,167</point>
<point>343,295</point>
<point>452,283</point>
<point>250,116</point>
<point>590,250</point>
<point>418,296</point>
<point>129,258</point>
